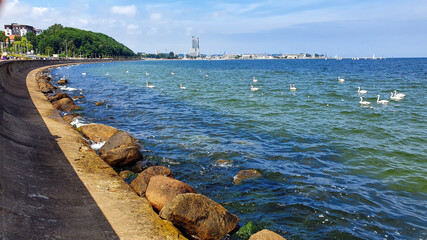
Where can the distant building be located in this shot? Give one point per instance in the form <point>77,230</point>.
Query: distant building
<point>20,30</point>
<point>195,50</point>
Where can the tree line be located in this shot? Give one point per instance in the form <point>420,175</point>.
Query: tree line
<point>72,42</point>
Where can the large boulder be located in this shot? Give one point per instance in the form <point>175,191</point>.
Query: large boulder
<point>62,81</point>
<point>118,140</point>
<point>122,156</point>
<point>266,235</point>
<point>141,182</point>
<point>45,86</point>
<point>66,105</point>
<point>59,95</point>
<point>97,132</point>
<point>199,216</point>
<point>161,190</point>
<point>246,174</point>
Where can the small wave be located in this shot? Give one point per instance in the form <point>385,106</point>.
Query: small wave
<point>77,122</point>
<point>65,88</point>
<point>96,145</point>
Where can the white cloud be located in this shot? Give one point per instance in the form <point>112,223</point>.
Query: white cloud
<point>155,16</point>
<point>188,31</point>
<point>132,27</point>
<point>38,11</point>
<point>124,10</point>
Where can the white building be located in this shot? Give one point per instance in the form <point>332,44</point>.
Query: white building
<point>195,50</point>
<point>19,30</point>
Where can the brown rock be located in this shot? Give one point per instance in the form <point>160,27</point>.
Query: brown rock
<point>118,140</point>
<point>161,190</point>
<point>246,174</point>
<point>70,117</point>
<point>141,182</point>
<point>266,235</point>
<point>58,96</point>
<point>98,132</point>
<point>142,165</point>
<point>200,217</point>
<point>45,86</point>
<point>125,173</point>
<point>99,103</point>
<point>65,104</point>
<point>122,156</point>
<point>62,81</point>
<point>78,97</point>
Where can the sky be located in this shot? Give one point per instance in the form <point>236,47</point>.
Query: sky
<point>344,28</point>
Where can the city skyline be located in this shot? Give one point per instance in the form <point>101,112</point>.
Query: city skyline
<point>344,28</point>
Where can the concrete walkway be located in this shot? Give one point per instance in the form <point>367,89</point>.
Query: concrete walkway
<point>52,186</point>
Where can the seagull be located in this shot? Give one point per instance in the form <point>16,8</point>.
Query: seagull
<point>361,91</point>
<point>381,101</point>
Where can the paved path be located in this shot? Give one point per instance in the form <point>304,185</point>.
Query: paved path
<point>41,196</point>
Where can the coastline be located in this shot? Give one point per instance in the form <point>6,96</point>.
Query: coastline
<point>109,191</point>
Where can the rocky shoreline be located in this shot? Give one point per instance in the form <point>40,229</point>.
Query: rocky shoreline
<point>196,215</point>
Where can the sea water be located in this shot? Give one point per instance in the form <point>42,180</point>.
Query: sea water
<point>332,168</point>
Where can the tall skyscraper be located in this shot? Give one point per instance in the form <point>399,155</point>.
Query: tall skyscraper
<point>195,50</point>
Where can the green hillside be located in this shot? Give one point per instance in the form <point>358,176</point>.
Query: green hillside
<point>58,39</point>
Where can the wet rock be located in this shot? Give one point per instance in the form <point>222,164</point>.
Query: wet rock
<point>118,140</point>
<point>142,165</point>
<point>245,175</point>
<point>59,95</point>
<point>45,86</point>
<point>78,97</point>
<point>70,117</point>
<point>161,190</point>
<point>200,217</point>
<point>125,173</point>
<point>122,156</point>
<point>141,182</point>
<point>266,235</point>
<point>223,163</point>
<point>66,105</point>
<point>62,81</point>
<point>99,103</point>
<point>97,132</point>
<point>248,230</point>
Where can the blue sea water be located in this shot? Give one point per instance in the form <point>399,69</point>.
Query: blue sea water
<point>332,168</point>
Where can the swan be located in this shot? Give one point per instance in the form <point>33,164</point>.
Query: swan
<point>254,89</point>
<point>401,95</point>
<point>149,86</point>
<point>172,73</point>
<point>107,74</point>
<point>146,74</point>
<point>83,74</point>
<point>127,71</point>
<point>381,101</point>
<point>364,102</point>
<point>207,75</point>
<point>394,97</point>
<point>254,80</point>
<point>361,91</point>
<point>341,80</point>
<point>292,87</point>
<point>182,87</point>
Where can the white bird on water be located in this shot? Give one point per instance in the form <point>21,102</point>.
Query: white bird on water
<point>146,74</point>
<point>182,87</point>
<point>364,102</point>
<point>341,80</point>
<point>400,95</point>
<point>172,73</point>
<point>254,80</point>
<point>292,87</point>
<point>107,74</point>
<point>381,101</point>
<point>361,91</point>
<point>394,97</point>
<point>149,86</point>
<point>254,89</point>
